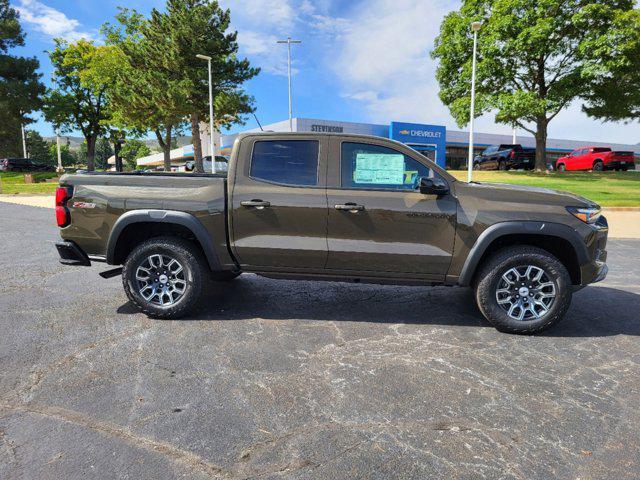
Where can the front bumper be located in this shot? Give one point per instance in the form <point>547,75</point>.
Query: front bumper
<point>72,254</point>
<point>596,269</point>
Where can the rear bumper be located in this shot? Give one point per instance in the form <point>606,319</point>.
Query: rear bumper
<point>72,254</point>
<point>522,163</point>
<point>629,164</point>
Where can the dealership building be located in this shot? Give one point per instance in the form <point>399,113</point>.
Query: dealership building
<point>448,148</point>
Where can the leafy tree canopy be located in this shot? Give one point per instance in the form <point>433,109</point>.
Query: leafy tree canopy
<point>78,100</point>
<point>534,58</point>
<point>20,87</point>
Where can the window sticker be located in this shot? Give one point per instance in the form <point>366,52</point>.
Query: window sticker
<point>379,169</point>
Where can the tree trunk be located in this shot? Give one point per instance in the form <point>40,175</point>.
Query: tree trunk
<point>91,152</point>
<point>197,143</point>
<point>117,145</point>
<point>541,144</point>
<point>165,144</point>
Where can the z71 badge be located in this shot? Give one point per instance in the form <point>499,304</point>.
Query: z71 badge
<point>83,205</point>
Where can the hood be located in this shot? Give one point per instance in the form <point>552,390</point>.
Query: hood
<point>527,194</point>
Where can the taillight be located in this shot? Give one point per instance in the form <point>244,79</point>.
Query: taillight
<point>512,154</point>
<point>63,194</point>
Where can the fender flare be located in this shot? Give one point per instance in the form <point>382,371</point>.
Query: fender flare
<point>164,216</point>
<point>519,228</point>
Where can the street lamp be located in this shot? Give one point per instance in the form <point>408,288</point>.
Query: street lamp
<point>288,41</point>
<point>211,142</point>
<point>475,27</point>
<point>59,168</point>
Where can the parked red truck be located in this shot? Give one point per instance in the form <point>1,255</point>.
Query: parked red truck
<point>597,159</point>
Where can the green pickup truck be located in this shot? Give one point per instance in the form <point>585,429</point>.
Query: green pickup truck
<point>335,207</point>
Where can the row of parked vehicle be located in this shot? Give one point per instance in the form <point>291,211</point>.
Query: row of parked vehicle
<point>517,157</point>
<point>24,165</point>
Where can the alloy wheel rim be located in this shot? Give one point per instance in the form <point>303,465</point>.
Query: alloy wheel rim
<point>161,280</point>
<point>526,293</point>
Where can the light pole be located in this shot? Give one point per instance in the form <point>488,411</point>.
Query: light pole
<point>288,41</point>
<point>59,168</point>
<point>211,142</point>
<point>475,27</point>
<point>24,138</point>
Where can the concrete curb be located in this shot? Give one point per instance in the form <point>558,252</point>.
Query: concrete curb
<point>621,209</point>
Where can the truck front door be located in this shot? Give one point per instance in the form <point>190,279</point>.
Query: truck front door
<point>279,203</point>
<point>379,222</point>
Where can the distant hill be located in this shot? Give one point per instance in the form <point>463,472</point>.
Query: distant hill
<point>152,143</point>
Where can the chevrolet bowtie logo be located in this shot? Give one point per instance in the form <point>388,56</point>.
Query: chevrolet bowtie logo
<point>404,132</point>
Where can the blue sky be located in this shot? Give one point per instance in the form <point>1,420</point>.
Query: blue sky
<point>360,60</point>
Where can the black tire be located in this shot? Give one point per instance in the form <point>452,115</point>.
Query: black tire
<point>224,276</point>
<point>562,167</point>
<point>598,166</point>
<point>520,257</point>
<point>624,168</point>
<point>502,166</point>
<point>194,268</point>
<point>476,166</point>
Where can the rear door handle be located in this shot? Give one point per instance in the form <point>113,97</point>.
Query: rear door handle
<point>257,204</point>
<point>350,207</point>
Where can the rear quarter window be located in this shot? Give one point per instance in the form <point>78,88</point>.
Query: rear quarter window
<point>288,162</point>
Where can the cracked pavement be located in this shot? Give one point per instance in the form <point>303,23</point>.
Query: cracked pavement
<point>279,379</point>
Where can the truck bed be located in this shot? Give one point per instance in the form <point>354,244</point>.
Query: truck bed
<point>100,199</point>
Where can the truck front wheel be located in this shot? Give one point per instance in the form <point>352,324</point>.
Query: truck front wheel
<point>523,289</point>
<point>163,276</point>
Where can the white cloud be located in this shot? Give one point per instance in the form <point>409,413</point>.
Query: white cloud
<point>51,22</point>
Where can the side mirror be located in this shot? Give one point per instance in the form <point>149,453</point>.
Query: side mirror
<point>433,186</point>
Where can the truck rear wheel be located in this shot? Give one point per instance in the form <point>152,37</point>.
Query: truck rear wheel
<point>163,276</point>
<point>523,290</point>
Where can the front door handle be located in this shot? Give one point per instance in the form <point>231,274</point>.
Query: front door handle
<point>257,204</point>
<point>350,207</point>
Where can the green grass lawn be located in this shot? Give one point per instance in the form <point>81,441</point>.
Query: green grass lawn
<point>609,189</point>
<point>13,183</point>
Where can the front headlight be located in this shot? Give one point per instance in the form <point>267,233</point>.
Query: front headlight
<point>586,214</point>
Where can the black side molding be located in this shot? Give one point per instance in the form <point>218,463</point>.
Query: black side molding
<point>520,227</point>
<point>72,254</point>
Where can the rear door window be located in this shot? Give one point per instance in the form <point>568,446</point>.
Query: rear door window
<point>287,162</point>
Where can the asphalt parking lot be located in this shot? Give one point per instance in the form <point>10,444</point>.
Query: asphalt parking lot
<point>278,379</point>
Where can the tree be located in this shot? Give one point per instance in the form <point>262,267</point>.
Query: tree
<point>37,147</point>
<point>534,59</point>
<point>175,37</point>
<point>67,156</point>
<point>615,71</point>
<point>104,150</point>
<point>20,86</point>
<point>77,101</point>
<point>144,95</point>
<point>132,150</point>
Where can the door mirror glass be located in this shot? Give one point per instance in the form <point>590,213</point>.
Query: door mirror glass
<point>433,186</point>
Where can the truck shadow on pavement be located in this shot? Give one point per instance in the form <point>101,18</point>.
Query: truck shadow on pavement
<point>595,312</point>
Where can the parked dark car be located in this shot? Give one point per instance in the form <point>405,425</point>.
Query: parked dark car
<point>24,165</point>
<point>506,157</point>
<point>348,208</point>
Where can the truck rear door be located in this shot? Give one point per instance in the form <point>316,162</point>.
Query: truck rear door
<point>378,220</point>
<point>278,203</point>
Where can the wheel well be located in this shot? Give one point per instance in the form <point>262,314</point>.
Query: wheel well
<point>598,160</point>
<point>136,233</point>
<point>556,246</point>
